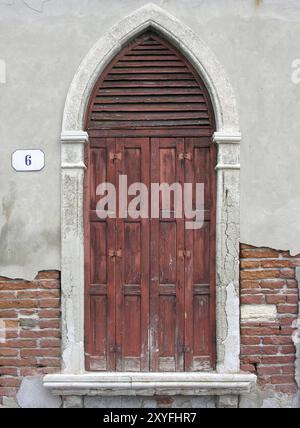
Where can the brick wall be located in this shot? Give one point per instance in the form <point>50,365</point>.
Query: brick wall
<point>30,320</point>
<point>268,278</point>
<point>30,311</point>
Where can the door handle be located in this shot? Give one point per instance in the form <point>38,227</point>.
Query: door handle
<point>184,254</point>
<point>115,253</point>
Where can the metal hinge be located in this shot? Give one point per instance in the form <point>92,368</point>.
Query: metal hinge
<point>115,253</point>
<point>184,253</point>
<point>115,156</point>
<point>181,349</point>
<point>116,349</point>
<point>182,156</point>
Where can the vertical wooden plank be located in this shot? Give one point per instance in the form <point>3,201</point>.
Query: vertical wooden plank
<point>189,272</point>
<point>199,272</point>
<point>132,267</point>
<point>180,263</point>
<point>99,272</point>
<point>119,264</point>
<point>111,283</point>
<point>154,263</point>
<point>145,248</point>
<point>167,275</point>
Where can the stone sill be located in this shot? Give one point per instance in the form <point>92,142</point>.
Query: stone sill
<point>149,384</point>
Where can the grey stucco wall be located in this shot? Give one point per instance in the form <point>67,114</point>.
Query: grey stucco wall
<point>43,43</point>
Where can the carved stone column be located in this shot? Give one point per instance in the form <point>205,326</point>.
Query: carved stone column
<point>228,239</point>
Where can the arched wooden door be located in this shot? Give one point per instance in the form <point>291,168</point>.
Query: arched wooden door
<point>149,283</point>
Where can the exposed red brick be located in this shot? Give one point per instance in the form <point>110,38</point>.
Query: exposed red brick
<point>289,369</point>
<point>287,349</point>
<point>277,340</point>
<point>10,371</point>
<point>20,285</point>
<point>275,298</point>
<point>275,264</point>
<point>257,331</point>
<point>9,381</point>
<point>49,362</point>
<point>49,324</point>
<point>8,392</point>
<point>39,352</point>
<point>40,333</point>
<point>287,273</point>
<point>8,313</point>
<point>4,352</point>
<point>19,343</point>
<point>248,368</point>
<point>268,276</point>
<point>49,313</point>
<point>253,299</point>
<point>292,299</point>
<point>278,379</point>
<point>286,319</point>
<point>250,340</point>
<point>277,359</point>
<point>287,309</point>
<point>48,274</point>
<point>32,337</point>
<point>256,253</point>
<point>28,371</point>
<point>48,343</point>
<point>18,303</point>
<point>250,284</point>
<point>260,274</point>
<point>291,283</point>
<point>273,283</point>
<point>286,389</point>
<point>268,370</point>
<point>49,303</point>
<point>48,284</point>
<point>249,264</point>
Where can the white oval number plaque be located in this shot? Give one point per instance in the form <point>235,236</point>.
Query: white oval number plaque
<point>28,160</point>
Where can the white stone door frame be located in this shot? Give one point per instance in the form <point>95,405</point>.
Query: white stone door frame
<point>73,139</point>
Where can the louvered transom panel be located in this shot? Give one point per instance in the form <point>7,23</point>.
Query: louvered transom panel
<point>150,84</point>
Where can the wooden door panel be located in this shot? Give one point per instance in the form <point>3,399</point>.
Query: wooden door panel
<point>199,281</point>
<point>150,282</point>
<point>98,314</point>
<point>132,267</point>
<point>167,330</point>
<point>167,287</point>
<point>99,238</point>
<point>201,252</point>
<point>99,267</point>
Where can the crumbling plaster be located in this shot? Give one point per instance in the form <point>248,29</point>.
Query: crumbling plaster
<point>73,139</point>
<point>25,249</point>
<point>255,44</point>
<point>227,379</point>
<point>296,340</point>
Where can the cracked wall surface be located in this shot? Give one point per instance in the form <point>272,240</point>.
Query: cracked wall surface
<point>269,342</point>
<point>42,57</point>
<point>269,289</point>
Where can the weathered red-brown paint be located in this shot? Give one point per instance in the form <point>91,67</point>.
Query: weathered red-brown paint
<point>149,283</point>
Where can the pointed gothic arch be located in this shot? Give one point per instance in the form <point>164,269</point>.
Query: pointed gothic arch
<point>227,137</point>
